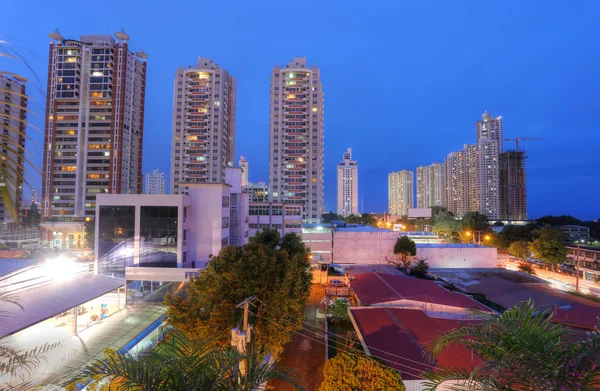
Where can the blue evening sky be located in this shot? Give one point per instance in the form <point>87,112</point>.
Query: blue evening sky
<point>404,81</point>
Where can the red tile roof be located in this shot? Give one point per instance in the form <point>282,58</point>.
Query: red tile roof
<point>375,288</point>
<point>399,337</point>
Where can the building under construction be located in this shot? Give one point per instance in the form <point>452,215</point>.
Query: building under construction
<point>513,192</point>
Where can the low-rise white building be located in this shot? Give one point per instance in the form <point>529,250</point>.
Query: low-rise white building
<point>273,215</point>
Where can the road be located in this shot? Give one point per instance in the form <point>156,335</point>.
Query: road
<point>304,355</point>
<point>561,281</point>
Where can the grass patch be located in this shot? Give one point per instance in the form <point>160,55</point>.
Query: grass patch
<point>588,296</point>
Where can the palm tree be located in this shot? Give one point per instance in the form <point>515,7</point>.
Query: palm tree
<point>182,364</point>
<point>522,349</point>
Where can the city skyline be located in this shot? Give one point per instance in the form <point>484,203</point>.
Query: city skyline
<point>522,92</point>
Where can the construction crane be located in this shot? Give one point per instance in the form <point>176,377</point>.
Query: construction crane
<point>518,139</point>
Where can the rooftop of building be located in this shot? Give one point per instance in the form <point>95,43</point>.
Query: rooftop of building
<point>377,288</point>
<point>45,301</point>
<point>508,288</point>
<point>401,337</point>
<point>573,226</point>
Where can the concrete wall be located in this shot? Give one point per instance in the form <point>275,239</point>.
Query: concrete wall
<point>372,248</point>
<point>459,257</point>
<point>366,248</point>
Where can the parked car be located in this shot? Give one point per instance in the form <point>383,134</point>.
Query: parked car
<point>337,284</point>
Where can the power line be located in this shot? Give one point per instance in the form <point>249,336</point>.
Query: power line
<point>341,336</point>
<point>338,349</point>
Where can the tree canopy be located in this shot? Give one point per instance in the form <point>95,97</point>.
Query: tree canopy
<point>519,249</point>
<point>274,270</point>
<point>549,246</point>
<point>356,371</point>
<point>330,216</point>
<point>404,248</point>
<point>474,221</point>
<point>521,349</point>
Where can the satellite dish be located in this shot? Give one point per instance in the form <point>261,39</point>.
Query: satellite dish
<point>55,35</point>
<point>121,35</point>
<point>141,55</point>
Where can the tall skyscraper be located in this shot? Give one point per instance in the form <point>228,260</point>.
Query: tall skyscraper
<point>400,192</point>
<point>13,100</point>
<point>513,189</point>
<point>347,185</point>
<point>490,128</point>
<point>203,141</point>
<point>430,186</point>
<point>154,182</point>
<point>455,180</point>
<point>472,180</point>
<point>94,131</point>
<point>296,138</point>
<point>243,163</point>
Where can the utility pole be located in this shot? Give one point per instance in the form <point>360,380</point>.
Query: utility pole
<point>577,269</point>
<point>241,338</point>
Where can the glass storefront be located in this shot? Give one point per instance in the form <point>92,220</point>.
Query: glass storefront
<point>145,292</point>
<point>116,239</point>
<point>158,241</point>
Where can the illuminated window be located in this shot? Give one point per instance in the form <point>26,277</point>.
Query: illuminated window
<point>59,117</point>
<point>314,109</point>
<point>203,75</point>
<point>291,96</point>
<point>71,132</point>
<point>94,176</point>
<point>96,94</point>
<point>314,180</point>
<point>71,59</point>
<point>192,138</point>
<point>97,73</point>
<point>68,168</point>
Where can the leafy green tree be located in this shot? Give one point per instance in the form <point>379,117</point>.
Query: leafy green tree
<point>474,221</point>
<point>353,219</point>
<point>519,249</point>
<point>549,246</point>
<point>518,232</point>
<point>274,270</point>
<point>368,219</point>
<point>494,240</point>
<point>404,248</point>
<point>90,233</point>
<point>182,364</point>
<point>521,349</point>
<point>420,268</point>
<point>445,224</point>
<point>356,371</point>
<point>330,216</point>
<point>558,220</point>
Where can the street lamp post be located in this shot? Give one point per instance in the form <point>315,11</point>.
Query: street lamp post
<point>478,234</point>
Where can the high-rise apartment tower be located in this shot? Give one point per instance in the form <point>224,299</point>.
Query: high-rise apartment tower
<point>490,128</point>
<point>347,185</point>
<point>513,189</point>
<point>13,101</point>
<point>400,192</point>
<point>296,138</point>
<point>203,140</point>
<point>94,130</point>
<point>154,182</point>
<point>430,186</point>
